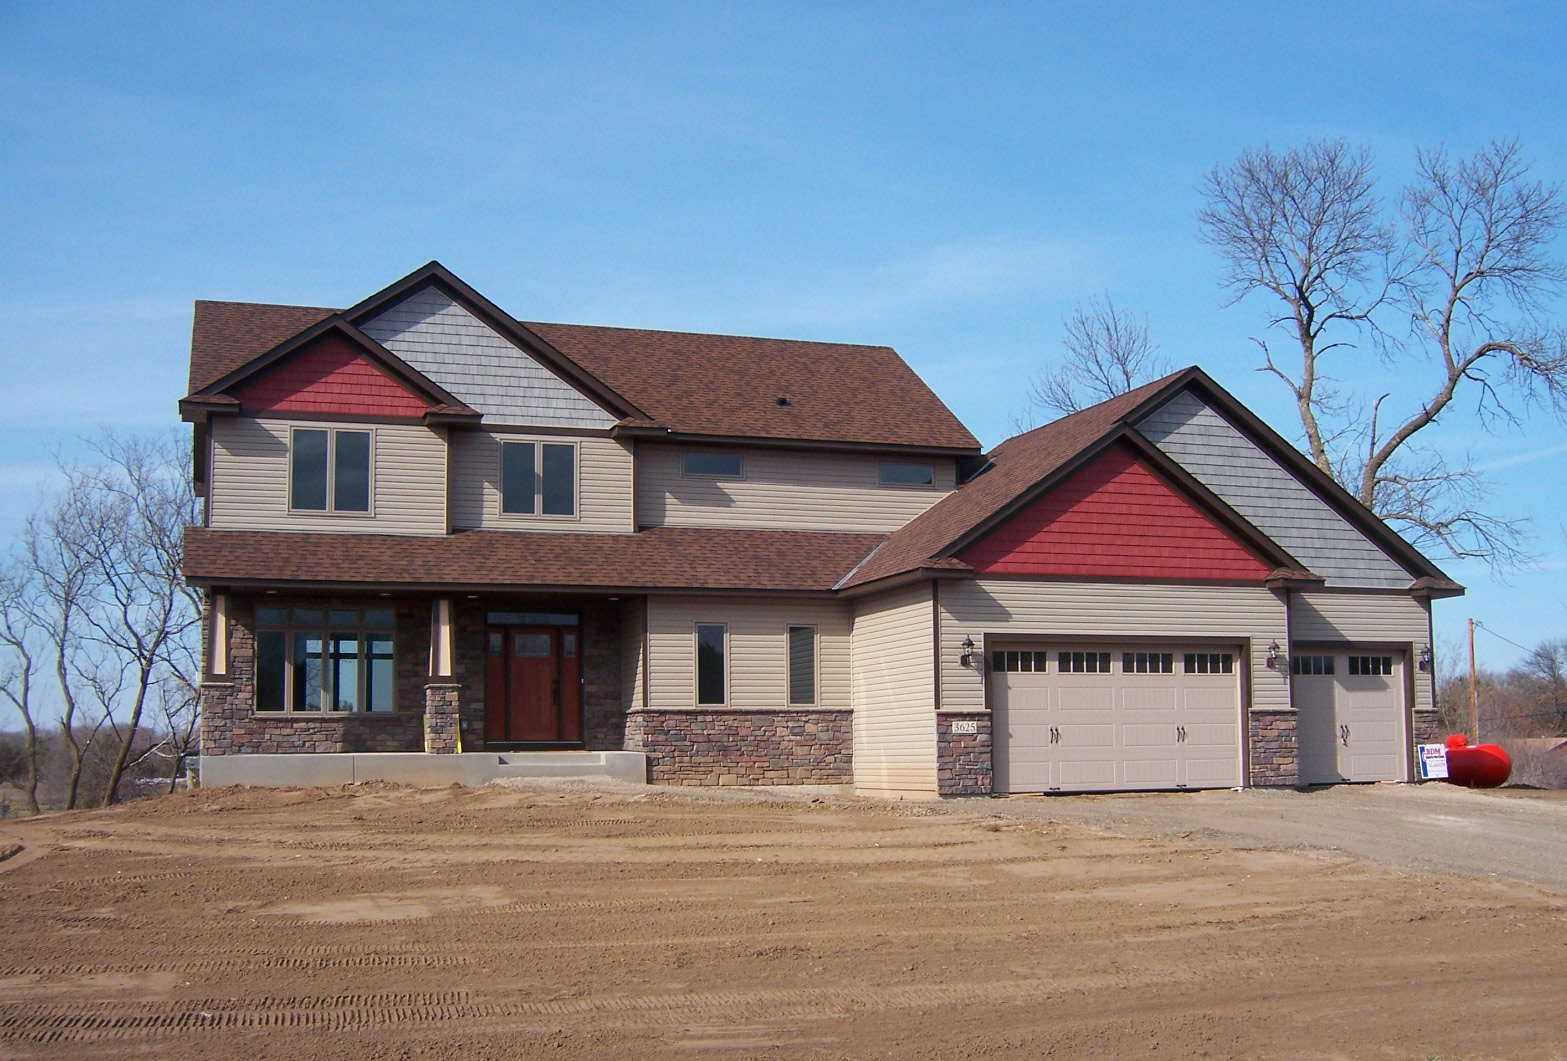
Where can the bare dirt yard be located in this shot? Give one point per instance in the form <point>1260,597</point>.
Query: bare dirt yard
<point>575,921</point>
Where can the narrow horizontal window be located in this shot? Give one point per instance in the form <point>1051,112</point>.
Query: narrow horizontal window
<point>1147,662</point>
<point>901,473</point>
<point>1311,665</point>
<point>1210,663</point>
<point>711,465</point>
<point>1083,662</point>
<point>1370,666</point>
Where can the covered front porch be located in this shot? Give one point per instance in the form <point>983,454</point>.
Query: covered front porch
<point>294,672</point>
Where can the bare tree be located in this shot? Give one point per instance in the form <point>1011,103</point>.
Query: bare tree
<point>20,639</point>
<point>1450,294</point>
<point>1106,351</point>
<point>1542,677</point>
<point>140,504</point>
<point>95,596</point>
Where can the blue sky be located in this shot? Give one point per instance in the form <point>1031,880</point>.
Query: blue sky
<point>947,179</point>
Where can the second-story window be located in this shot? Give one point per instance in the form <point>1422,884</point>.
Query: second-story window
<point>329,470</point>
<point>538,478</point>
<point>711,465</point>
<point>902,473</point>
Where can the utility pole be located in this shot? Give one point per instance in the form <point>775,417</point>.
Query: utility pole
<point>1474,696</point>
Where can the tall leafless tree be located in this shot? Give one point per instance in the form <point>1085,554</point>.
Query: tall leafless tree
<point>99,601</point>
<point>1449,291</point>
<point>19,637</point>
<point>1105,351</point>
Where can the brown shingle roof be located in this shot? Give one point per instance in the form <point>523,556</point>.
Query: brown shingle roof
<point>662,558</point>
<point>690,383</point>
<point>225,335</point>
<point>731,384</point>
<point>1018,464</point>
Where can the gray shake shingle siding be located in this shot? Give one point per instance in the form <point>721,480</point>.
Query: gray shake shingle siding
<point>1254,485</point>
<point>461,353</point>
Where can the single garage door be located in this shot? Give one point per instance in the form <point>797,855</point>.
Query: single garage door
<point>1087,718</point>
<point>1351,721</point>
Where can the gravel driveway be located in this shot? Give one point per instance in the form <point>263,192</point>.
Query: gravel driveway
<point>1431,827</point>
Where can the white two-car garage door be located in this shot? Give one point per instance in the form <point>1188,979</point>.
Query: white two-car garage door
<point>1351,715</point>
<point>1106,718</point>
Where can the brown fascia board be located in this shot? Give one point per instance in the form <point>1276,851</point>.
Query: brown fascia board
<point>1435,588</point>
<point>320,586</point>
<point>455,288</point>
<point>912,576</point>
<point>406,373</point>
<point>201,408</point>
<point>1316,480</point>
<point>654,433</point>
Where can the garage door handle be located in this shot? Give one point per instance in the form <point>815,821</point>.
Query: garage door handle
<point>1180,734</point>
<point>1055,735</point>
<point>1343,735</point>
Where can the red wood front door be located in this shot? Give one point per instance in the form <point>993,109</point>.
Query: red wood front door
<point>533,683</point>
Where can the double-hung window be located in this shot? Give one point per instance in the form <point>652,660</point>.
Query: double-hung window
<point>325,659</point>
<point>538,478</point>
<point>329,470</point>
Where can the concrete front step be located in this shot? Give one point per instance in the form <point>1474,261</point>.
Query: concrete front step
<point>415,768</point>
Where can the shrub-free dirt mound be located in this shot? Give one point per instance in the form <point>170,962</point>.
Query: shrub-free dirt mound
<point>575,922</point>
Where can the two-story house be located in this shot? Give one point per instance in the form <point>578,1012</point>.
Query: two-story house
<point>432,529</point>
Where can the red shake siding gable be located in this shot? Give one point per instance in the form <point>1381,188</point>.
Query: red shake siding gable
<point>1115,518</point>
<point>329,377</point>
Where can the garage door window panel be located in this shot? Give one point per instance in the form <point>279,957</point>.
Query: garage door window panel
<point>1147,663</point>
<point>1083,662</point>
<point>1210,663</point>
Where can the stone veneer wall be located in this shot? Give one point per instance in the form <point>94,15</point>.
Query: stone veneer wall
<point>231,726</point>
<point>963,760</point>
<point>711,747</point>
<point>1274,748</point>
<point>603,715</point>
<point>1428,728</point>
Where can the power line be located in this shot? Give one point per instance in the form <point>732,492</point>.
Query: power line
<point>1499,637</point>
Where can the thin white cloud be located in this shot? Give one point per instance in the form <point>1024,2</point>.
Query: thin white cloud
<point>1521,458</point>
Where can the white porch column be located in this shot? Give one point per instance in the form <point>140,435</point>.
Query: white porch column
<point>218,637</point>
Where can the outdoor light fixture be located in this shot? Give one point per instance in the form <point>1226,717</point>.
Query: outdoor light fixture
<point>1425,658</point>
<point>967,659</point>
<point>1273,654</point>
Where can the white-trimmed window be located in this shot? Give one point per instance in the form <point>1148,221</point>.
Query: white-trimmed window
<point>539,479</point>
<point>906,473</point>
<point>712,664</point>
<point>703,465</point>
<point>329,470</point>
<point>325,659</point>
<point>802,666</point>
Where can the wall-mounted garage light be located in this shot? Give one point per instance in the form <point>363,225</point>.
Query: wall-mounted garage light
<point>1273,654</point>
<point>1425,658</point>
<point>967,659</point>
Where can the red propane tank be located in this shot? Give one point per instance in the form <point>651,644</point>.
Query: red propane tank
<point>1477,765</point>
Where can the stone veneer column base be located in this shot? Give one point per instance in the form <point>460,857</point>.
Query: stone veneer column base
<point>707,746</point>
<point>1427,727</point>
<point>1274,748</point>
<point>963,760</point>
<point>442,714</point>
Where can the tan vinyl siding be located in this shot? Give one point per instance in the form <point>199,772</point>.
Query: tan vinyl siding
<point>782,489</point>
<point>1362,618</point>
<point>632,669</point>
<point>250,479</point>
<point>1010,608</point>
<point>757,657</point>
<point>603,485</point>
<point>894,695</point>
